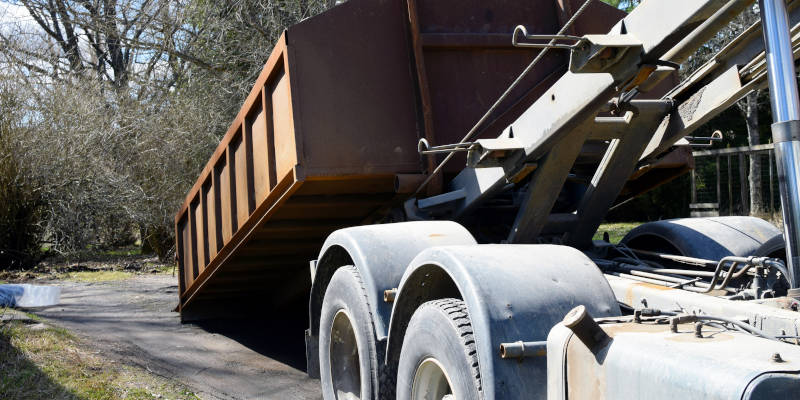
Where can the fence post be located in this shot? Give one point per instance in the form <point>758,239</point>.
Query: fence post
<point>719,193</point>
<point>730,186</point>
<point>743,183</point>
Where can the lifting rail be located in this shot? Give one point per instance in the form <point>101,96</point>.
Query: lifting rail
<point>605,72</point>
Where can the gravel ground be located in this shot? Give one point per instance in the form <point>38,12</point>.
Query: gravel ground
<point>132,322</point>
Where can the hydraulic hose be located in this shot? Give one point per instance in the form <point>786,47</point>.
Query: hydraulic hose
<point>674,321</point>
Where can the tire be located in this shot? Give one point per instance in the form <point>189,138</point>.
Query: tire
<point>775,248</point>
<point>347,352</point>
<point>438,359</point>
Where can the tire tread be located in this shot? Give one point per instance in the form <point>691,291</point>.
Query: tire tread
<point>456,311</point>
<point>374,359</point>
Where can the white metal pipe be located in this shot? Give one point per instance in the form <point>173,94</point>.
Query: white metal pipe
<point>780,61</point>
<point>785,104</point>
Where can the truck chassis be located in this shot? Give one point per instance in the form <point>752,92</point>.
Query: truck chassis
<point>485,283</point>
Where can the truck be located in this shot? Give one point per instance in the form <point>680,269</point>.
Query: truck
<point>420,182</point>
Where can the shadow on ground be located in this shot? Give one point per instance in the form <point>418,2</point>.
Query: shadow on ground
<point>279,337</point>
<point>21,378</point>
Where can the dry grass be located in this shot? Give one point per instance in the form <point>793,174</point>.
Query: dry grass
<point>119,267</point>
<point>41,361</point>
<point>96,276</point>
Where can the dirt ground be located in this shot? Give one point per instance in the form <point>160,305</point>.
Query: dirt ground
<point>132,321</point>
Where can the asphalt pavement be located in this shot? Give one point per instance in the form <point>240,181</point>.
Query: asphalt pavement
<point>132,321</point>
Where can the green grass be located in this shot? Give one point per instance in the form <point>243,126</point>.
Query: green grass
<point>616,231</point>
<point>51,363</point>
<point>33,316</point>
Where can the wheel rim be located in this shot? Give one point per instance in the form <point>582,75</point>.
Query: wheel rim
<point>344,364</point>
<point>431,382</point>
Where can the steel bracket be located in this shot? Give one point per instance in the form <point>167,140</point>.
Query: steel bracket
<point>599,53</point>
<point>485,151</point>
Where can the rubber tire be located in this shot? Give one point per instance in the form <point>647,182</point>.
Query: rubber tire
<point>774,247</point>
<point>441,329</point>
<point>346,292</point>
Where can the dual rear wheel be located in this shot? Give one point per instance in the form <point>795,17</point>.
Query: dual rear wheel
<point>347,352</point>
<point>438,359</point>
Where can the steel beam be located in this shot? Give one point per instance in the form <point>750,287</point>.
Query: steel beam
<point>576,98</point>
<point>616,167</point>
<point>545,186</point>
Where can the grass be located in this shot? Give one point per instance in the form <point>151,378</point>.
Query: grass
<point>96,276</point>
<point>120,268</point>
<point>33,317</point>
<point>162,268</point>
<point>105,275</point>
<point>616,231</point>
<point>41,361</point>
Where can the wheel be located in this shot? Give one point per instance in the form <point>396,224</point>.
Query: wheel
<point>438,359</point>
<point>347,351</point>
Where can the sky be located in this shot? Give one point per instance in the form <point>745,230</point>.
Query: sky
<point>13,14</point>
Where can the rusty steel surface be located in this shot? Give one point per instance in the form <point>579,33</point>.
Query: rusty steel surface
<point>318,145</point>
<point>468,60</point>
<point>327,137</point>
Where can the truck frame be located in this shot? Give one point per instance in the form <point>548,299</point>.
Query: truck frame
<point>480,278</point>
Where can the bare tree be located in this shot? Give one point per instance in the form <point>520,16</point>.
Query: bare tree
<point>748,106</point>
<point>124,100</point>
<point>749,109</point>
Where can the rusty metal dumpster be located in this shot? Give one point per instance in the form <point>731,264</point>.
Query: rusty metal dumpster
<point>327,137</point>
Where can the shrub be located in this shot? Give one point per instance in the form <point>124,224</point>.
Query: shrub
<point>20,209</point>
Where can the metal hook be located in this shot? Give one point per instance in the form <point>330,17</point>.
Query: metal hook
<point>425,148</point>
<point>520,29</point>
<point>715,137</point>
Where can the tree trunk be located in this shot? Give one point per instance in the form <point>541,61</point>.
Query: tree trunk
<point>145,248</point>
<point>753,138</point>
<point>161,241</point>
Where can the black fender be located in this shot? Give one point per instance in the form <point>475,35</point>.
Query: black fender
<point>711,238</point>
<point>775,247</point>
<point>380,253</point>
<point>512,293</point>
